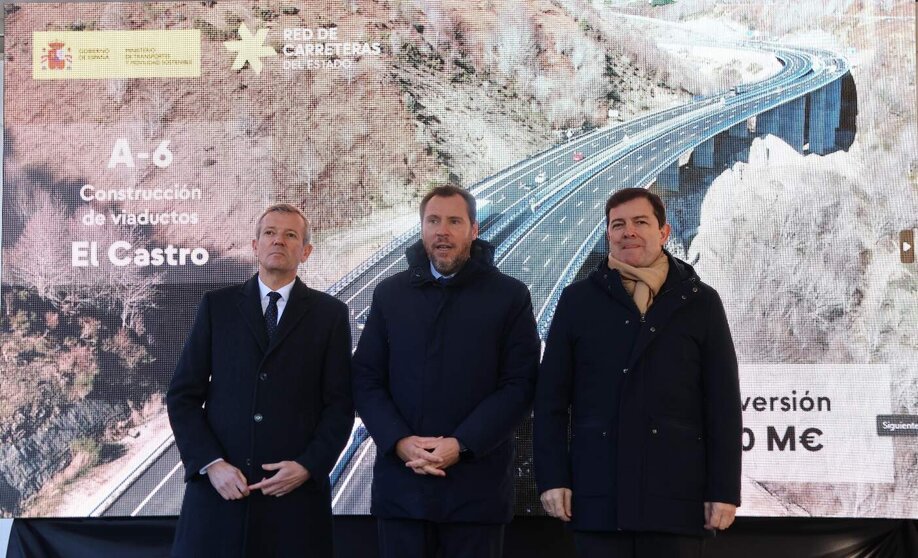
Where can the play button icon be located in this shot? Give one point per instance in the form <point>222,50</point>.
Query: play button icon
<point>907,246</point>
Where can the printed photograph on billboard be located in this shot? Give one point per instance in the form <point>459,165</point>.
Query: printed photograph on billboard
<point>141,140</point>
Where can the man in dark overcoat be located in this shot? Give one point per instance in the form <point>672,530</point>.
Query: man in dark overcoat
<point>260,405</point>
<point>640,365</point>
<point>443,373</point>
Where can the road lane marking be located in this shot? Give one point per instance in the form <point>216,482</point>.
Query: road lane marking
<point>354,468</point>
<point>370,282</point>
<point>155,490</point>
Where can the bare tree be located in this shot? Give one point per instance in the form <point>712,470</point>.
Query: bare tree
<point>41,258</point>
<point>514,49</point>
<point>440,26</point>
<point>134,294</point>
<point>157,112</point>
<point>114,16</point>
<point>310,165</point>
<point>117,89</point>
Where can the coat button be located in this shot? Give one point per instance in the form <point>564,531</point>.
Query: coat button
<point>653,330</point>
<point>627,322</point>
<point>653,430</point>
<point>684,297</point>
<point>248,462</point>
<point>603,434</point>
<point>258,417</point>
<point>694,289</point>
<point>624,370</point>
<point>263,376</point>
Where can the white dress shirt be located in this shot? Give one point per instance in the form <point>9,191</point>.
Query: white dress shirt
<point>281,302</point>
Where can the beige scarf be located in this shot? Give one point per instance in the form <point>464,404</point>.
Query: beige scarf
<point>642,283</point>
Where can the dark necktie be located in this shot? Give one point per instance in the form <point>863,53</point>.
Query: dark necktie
<point>271,314</point>
<point>443,280</point>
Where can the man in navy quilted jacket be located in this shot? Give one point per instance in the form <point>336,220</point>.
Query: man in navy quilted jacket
<point>640,365</point>
<point>443,373</point>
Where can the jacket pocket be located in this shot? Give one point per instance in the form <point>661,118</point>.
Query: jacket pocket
<point>593,460</point>
<point>675,459</point>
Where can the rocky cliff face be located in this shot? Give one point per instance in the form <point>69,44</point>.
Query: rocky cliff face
<point>38,454</point>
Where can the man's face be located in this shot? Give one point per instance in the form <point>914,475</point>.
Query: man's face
<point>635,236</point>
<point>280,246</point>
<point>447,233</point>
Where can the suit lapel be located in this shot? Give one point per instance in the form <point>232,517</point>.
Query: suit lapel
<point>298,306</point>
<point>250,306</point>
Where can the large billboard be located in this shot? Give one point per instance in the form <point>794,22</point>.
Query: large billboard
<point>142,139</point>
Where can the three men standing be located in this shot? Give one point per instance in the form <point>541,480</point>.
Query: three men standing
<point>443,374</point>
<point>640,363</point>
<point>260,406</point>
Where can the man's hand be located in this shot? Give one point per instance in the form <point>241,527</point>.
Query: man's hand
<point>228,480</point>
<point>417,453</point>
<point>446,450</point>
<point>557,503</point>
<point>718,515</point>
<point>289,476</point>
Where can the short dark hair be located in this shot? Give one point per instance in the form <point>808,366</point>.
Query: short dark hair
<point>449,191</point>
<point>284,208</point>
<point>628,194</point>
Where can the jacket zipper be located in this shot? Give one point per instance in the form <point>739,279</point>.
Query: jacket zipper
<point>643,316</point>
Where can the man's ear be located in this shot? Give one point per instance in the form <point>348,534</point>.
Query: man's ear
<point>307,250</point>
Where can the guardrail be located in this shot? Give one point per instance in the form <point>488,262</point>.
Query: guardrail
<point>359,437</point>
<point>546,313</point>
<point>378,255</point>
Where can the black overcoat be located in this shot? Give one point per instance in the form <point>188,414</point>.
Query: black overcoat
<point>457,360</point>
<point>262,403</point>
<point>653,405</point>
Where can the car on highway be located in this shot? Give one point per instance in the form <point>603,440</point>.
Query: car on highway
<point>540,178</point>
<point>578,156</point>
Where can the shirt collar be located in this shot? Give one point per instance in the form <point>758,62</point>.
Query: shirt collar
<point>284,291</point>
<point>437,274</point>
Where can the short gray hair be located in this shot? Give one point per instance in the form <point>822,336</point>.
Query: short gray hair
<point>285,208</point>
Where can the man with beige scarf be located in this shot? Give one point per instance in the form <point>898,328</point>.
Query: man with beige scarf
<point>640,365</point>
